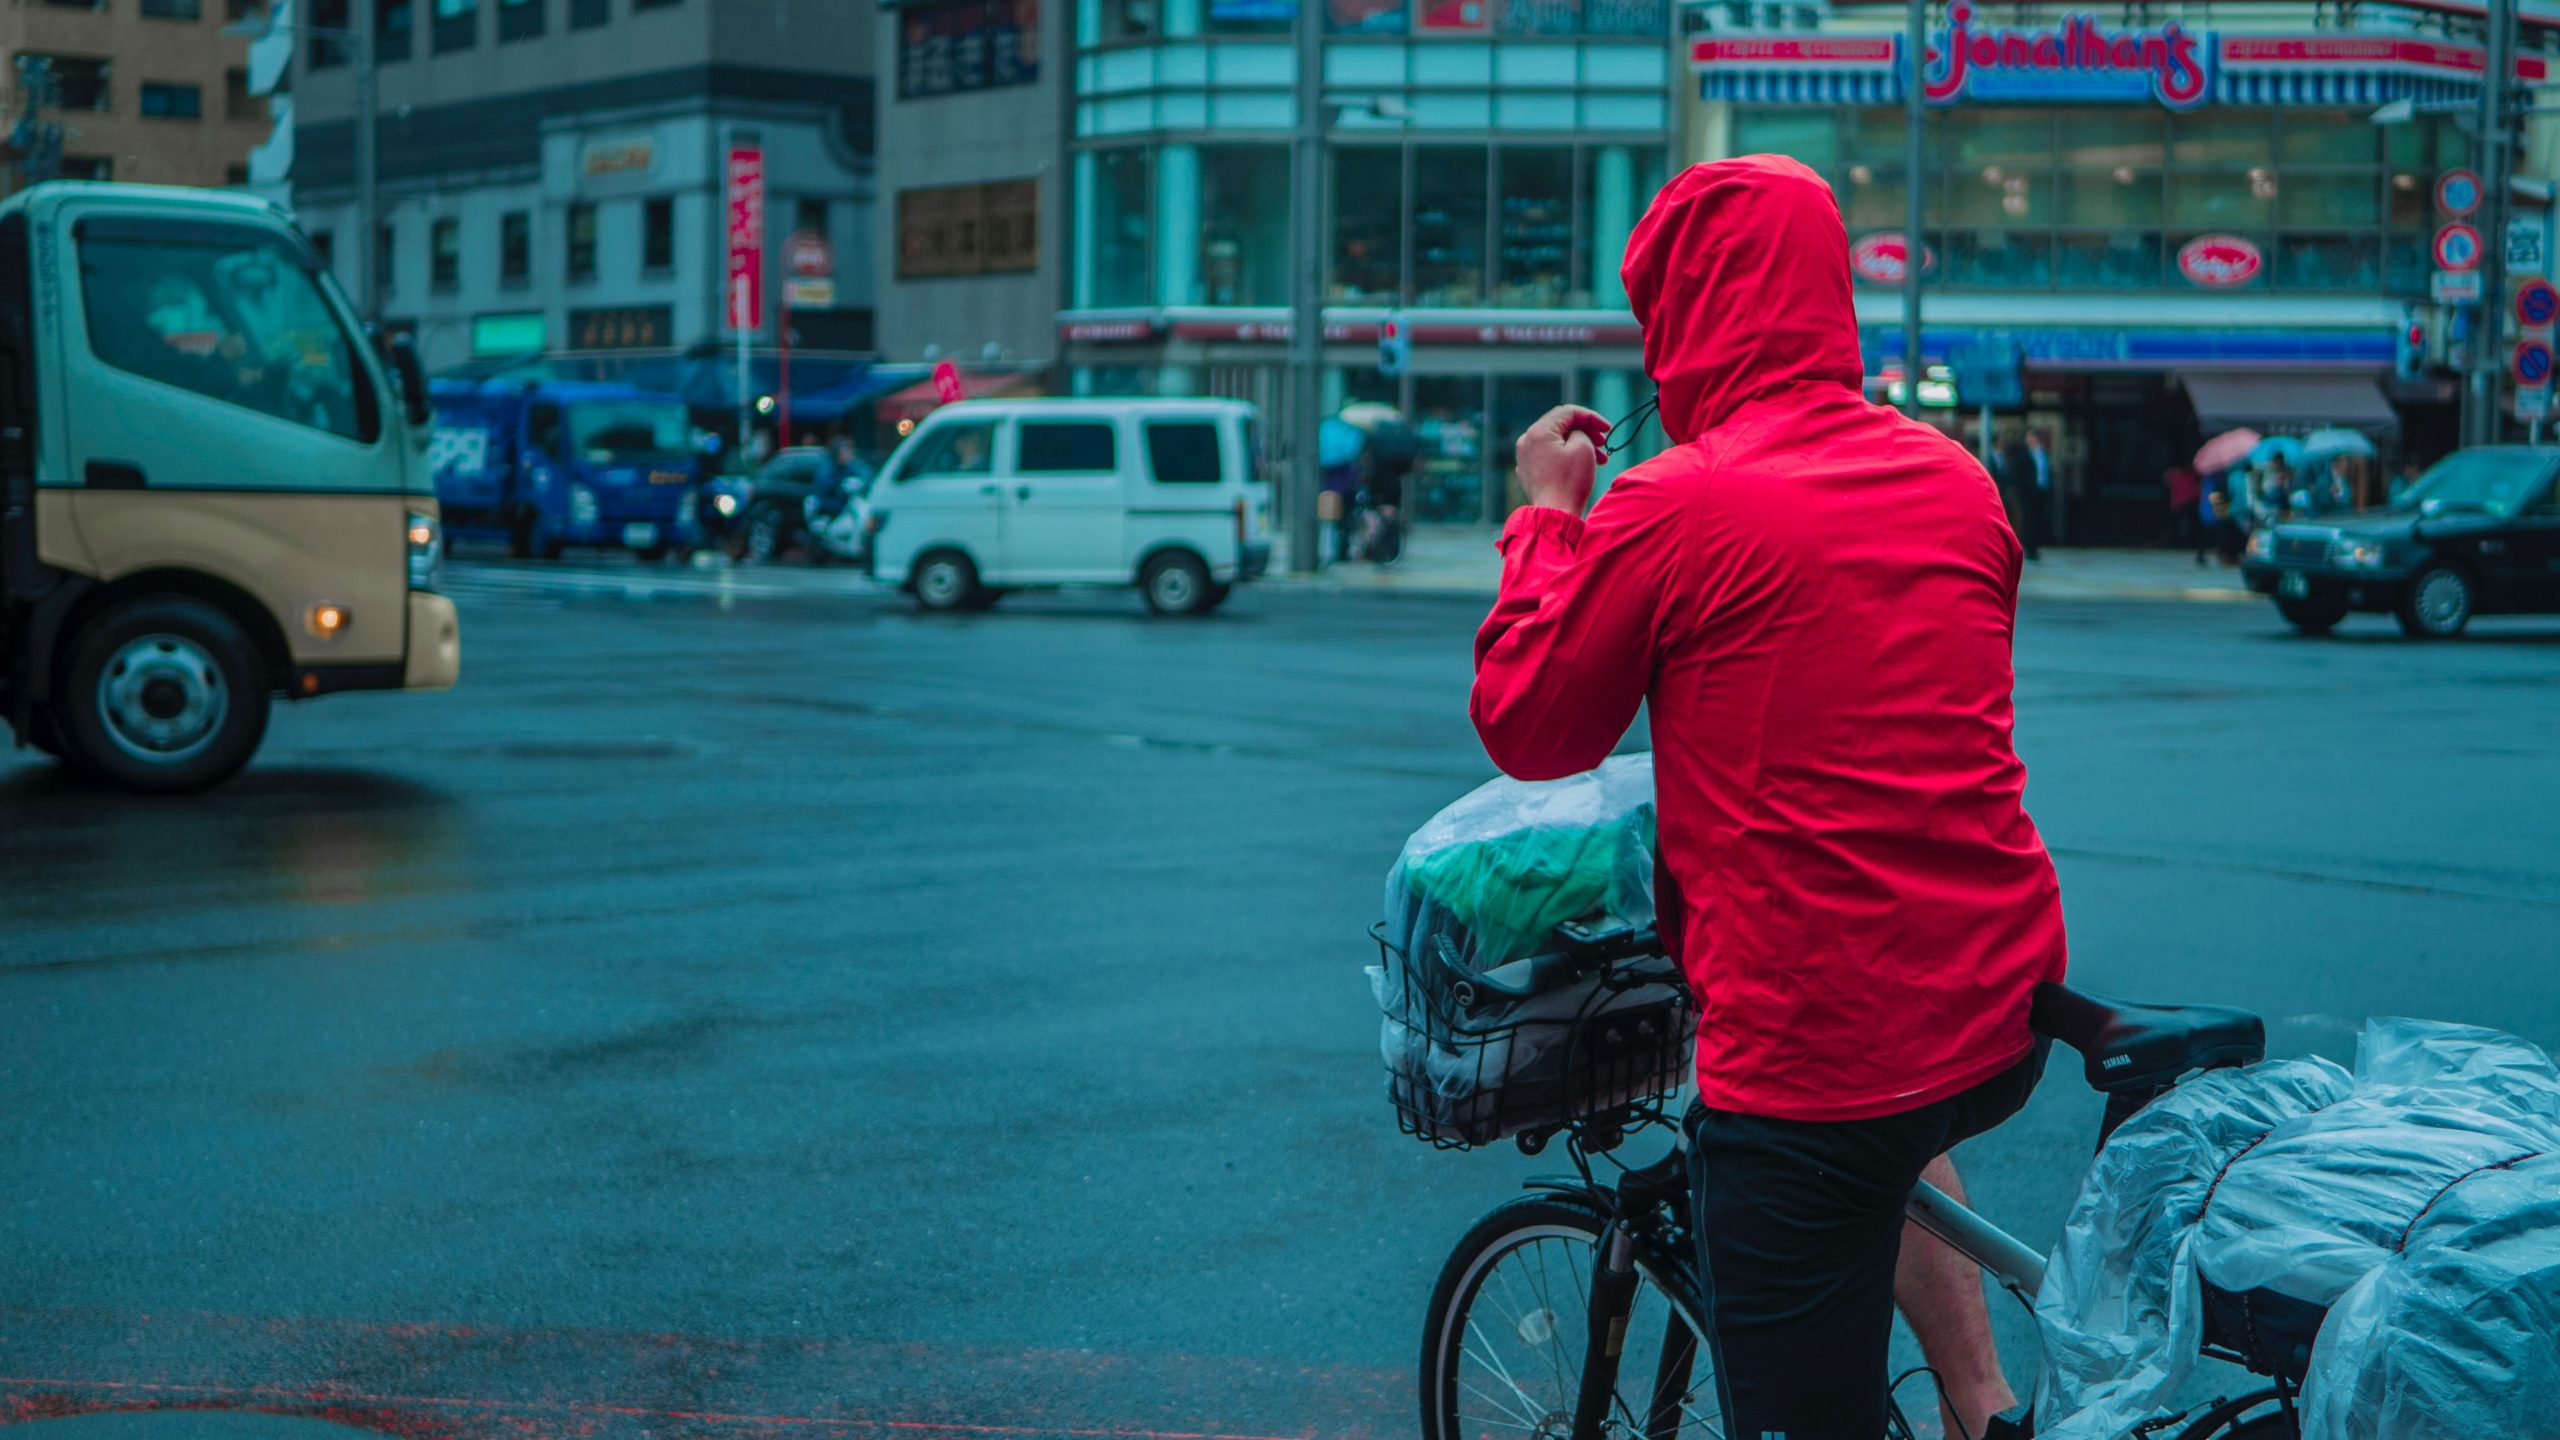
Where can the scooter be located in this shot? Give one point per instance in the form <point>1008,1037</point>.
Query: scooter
<point>837,526</point>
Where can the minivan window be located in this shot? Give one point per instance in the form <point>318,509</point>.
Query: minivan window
<point>237,321</point>
<point>1183,452</point>
<point>961,449</point>
<point>1068,445</point>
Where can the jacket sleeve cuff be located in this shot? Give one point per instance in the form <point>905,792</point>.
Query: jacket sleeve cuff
<point>1544,521</point>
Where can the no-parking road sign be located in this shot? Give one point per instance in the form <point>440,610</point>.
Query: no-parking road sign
<point>2457,248</point>
<point>2533,362</point>
<point>2537,304</point>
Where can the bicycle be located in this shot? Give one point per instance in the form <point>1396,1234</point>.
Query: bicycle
<point>1591,1284</point>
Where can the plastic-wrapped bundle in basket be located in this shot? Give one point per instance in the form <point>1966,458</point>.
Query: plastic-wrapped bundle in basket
<point>1488,884</point>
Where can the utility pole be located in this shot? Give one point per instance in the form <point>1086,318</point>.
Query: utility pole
<point>1915,250</point>
<point>2482,421</point>
<point>369,276</point>
<point>1306,289</point>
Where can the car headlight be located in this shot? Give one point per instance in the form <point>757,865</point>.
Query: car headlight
<point>582,505</point>
<point>2262,544</point>
<point>426,550</point>
<point>2356,554</point>
<point>725,503</point>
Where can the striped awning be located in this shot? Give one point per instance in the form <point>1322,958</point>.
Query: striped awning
<point>1818,87</point>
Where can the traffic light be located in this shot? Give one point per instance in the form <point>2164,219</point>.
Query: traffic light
<point>2409,360</point>
<point>1395,346</point>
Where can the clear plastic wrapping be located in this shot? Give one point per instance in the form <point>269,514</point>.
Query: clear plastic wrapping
<point>1486,882</point>
<point>2458,1334</point>
<point>2291,1178</point>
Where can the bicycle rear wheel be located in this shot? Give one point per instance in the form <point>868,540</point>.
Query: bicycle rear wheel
<point>1504,1346</point>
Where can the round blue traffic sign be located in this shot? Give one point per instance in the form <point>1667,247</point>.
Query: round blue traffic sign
<point>2458,193</point>
<point>2537,304</point>
<point>2533,363</point>
<point>2457,248</point>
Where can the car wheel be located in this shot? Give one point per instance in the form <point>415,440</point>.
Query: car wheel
<point>164,694</point>
<point>1176,584</point>
<point>2437,604</point>
<point>2312,617</point>
<point>768,532</point>
<point>652,554</point>
<point>945,581</point>
<point>520,538</point>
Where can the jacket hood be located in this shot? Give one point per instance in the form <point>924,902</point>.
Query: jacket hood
<point>1739,274</point>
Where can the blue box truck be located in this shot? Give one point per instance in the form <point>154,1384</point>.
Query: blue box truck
<point>548,464</point>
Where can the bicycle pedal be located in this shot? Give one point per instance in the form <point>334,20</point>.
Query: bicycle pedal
<point>2013,1424</point>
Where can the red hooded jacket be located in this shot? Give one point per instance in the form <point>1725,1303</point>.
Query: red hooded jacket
<point>1817,596</point>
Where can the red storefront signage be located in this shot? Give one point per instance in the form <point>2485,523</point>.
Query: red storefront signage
<point>2219,262</point>
<point>2170,62</point>
<point>1884,259</point>
<point>746,238</point>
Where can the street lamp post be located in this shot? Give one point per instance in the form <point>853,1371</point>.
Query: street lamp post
<point>1915,251</point>
<point>2481,423</point>
<point>1306,290</point>
<point>359,38</point>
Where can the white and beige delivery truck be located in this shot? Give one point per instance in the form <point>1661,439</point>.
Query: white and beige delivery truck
<point>213,485</point>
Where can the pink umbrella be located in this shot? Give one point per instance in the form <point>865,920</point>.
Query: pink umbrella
<point>2226,450</point>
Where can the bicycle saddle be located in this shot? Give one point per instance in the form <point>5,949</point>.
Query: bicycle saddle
<point>2144,1047</point>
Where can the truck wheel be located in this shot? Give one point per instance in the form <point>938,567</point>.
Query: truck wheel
<point>520,538</point>
<point>945,581</point>
<point>1177,584</point>
<point>653,554</point>
<point>2312,617</point>
<point>2437,604</point>
<point>164,695</point>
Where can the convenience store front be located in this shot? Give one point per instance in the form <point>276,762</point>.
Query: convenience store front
<point>2137,209</point>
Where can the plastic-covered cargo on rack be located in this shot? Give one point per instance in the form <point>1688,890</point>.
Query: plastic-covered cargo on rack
<point>1487,882</point>
<point>2455,1335</point>
<point>2263,1195</point>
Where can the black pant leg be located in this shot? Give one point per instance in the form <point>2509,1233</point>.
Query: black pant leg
<point>1799,1225</point>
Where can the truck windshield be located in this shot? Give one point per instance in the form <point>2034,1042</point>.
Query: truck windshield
<point>608,430</point>
<point>2490,481</point>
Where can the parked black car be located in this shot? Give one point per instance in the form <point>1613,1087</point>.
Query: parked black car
<point>2477,535</point>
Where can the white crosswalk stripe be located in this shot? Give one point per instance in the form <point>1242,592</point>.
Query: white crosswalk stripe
<point>469,579</point>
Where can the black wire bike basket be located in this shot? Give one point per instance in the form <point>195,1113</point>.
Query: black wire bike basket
<point>1468,1066</point>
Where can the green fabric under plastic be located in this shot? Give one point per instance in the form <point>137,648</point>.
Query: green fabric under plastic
<point>1512,890</point>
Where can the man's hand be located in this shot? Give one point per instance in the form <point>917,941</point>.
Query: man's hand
<point>1558,456</point>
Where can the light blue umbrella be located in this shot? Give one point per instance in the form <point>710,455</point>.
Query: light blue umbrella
<point>2274,447</point>
<point>2323,444</point>
<point>1338,442</point>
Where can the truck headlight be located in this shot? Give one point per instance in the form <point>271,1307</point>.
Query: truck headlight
<point>2356,554</point>
<point>725,503</point>
<point>582,505</point>
<point>2262,543</point>
<point>426,550</point>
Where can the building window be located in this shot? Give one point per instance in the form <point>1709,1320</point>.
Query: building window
<point>809,216</point>
<point>237,102</point>
<point>394,30</point>
<point>588,14</point>
<point>1533,228</point>
<point>386,254</point>
<point>444,254</point>
<point>582,240</point>
<point>1121,269</point>
<point>1244,226</point>
<point>658,233</point>
<point>515,247</point>
<point>324,248</point>
<point>652,4</point>
<point>325,50</point>
<point>1368,223</point>
<point>78,83</point>
<point>1448,225</point>
<point>519,19</point>
<point>162,100</point>
<point>457,25</point>
<point>235,175</point>
<point>88,167</point>
<point>244,10</point>
<point>173,9</point>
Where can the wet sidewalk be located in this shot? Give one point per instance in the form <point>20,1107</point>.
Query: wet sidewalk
<point>1462,560</point>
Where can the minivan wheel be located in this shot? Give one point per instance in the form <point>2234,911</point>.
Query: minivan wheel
<point>2437,604</point>
<point>945,581</point>
<point>164,694</point>
<point>1177,584</point>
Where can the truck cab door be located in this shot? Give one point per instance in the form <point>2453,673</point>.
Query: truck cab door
<point>218,413</point>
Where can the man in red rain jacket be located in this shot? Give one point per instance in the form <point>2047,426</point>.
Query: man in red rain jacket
<point>1816,595</point>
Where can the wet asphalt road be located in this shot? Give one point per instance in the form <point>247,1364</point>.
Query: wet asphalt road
<point>752,1009</point>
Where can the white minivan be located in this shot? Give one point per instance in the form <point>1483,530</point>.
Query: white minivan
<point>988,496</point>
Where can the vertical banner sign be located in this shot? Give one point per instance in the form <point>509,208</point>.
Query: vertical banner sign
<point>746,238</point>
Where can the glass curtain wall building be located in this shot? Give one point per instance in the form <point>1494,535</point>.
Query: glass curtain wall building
<point>1485,161</point>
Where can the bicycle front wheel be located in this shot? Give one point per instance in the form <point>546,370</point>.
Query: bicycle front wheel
<point>1504,1348</point>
